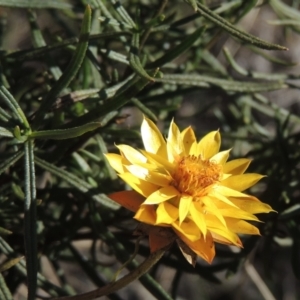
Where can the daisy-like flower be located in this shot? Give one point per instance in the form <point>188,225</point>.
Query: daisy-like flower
<point>188,186</point>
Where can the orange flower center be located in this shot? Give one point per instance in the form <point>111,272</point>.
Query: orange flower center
<point>194,176</point>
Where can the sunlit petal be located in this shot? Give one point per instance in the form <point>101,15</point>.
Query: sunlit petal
<point>236,166</point>
<point>188,138</point>
<point>188,229</point>
<point>184,206</point>
<point>146,214</point>
<point>242,227</point>
<point>142,187</point>
<point>149,176</point>
<point>153,139</point>
<point>131,154</point>
<point>166,213</point>
<point>116,161</point>
<point>162,195</point>
<point>174,143</point>
<point>209,145</point>
<point>196,211</point>
<point>242,182</point>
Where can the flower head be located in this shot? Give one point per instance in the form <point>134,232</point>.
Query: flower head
<point>188,186</point>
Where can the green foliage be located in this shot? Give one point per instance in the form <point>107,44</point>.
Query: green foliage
<point>64,103</point>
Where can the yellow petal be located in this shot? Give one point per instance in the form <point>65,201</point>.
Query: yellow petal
<point>226,234</point>
<point>194,149</point>
<point>162,195</point>
<point>129,199</point>
<point>210,207</point>
<point>237,214</point>
<point>198,217</point>
<point>188,138</point>
<point>153,139</point>
<point>227,192</point>
<point>184,207</point>
<point>159,161</point>
<point>131,154</point>
<point>116,161</point>
<point>146,214</point>
<point>222,240</point>
<point>217,193</point>
<point>236,166</point>
<point>142,187</point>
<point>252,205</point>
<point>242,227</point>
<point>174,143</point>
<point>166,213</point>
<point>209,145</point>
<point>221,157</point>
<point>149,176</point>
<point>241,182</point>
<point>205,248</point>
<point>187,229</point>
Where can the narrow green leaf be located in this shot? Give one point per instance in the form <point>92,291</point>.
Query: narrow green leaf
<point>134,59</point>
<point>71,69</point>
<point>4,290</point>
<point>4,232</point>
<point>272,58</point>
<point>63,134</point>
<point>39,41</point>
<point>4,115</point>
<point>11,102</point>
<point>114,22</point>
<point>144,109</point>
<point>125,93</point>
<point>10,161</point>
<point>227,85</point>
<point>10,263</point>
<point>43,283</point>
<point>178,50</point>
<point>283,9</point>
<point>252,74</point>
<point>240,34</point>
<point>123,13</point>
<point>76,182</point>
<point>30,233</point>
<point>34,53</point>
<point>5,132</point>
<point>36,4</point>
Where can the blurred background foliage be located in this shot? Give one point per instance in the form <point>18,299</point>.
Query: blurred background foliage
<point>74,84</point>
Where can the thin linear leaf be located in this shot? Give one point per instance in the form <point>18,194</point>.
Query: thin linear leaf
<point>11,102</point>
<point>36,4</point>
<point>10,161</point>
<point>71,69</point>
<point>227,85</point>
<point>4,290</point>
<point>76,182</point>
<point>123,13</point>
<point>10,263</point>
<point>63,134</point>
<point>34,53</point>
<point>30,220</point>
<point>43,283</point>
<point>5,132</point>
<point>240,34</point>
<point>178,50</point>
<point>134,59</point>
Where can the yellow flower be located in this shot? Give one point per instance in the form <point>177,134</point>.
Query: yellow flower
<point>188,186</point>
